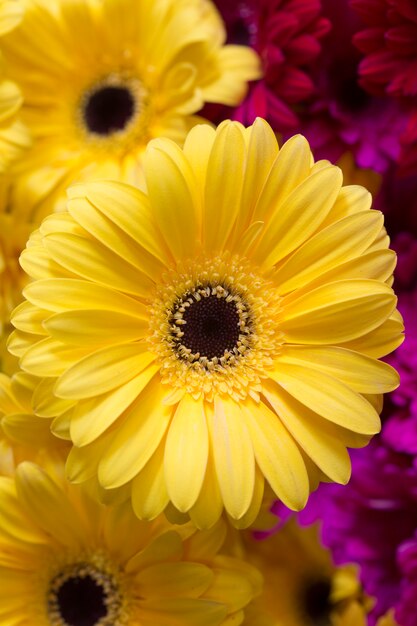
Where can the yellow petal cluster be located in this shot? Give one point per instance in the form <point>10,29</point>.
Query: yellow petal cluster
<point>216,332</point>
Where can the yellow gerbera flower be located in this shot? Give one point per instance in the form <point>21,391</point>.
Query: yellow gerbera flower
<point>302,586</point>
<point>22,436</point>
<point>219,330</point>
<point>68,561</point>
<point>100,79</point>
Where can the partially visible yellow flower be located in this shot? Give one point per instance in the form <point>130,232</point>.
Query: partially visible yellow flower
<point>302,586</point>
<point>227,336</point>
<point>14,233</point>
<point>67,561</point>
<point>22,436</point>
<point>354,175</point>
<point>387,619</point>
<point>102,78</point>
<point>14,136</point>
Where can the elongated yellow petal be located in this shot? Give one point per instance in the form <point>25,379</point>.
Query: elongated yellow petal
<point>60,294</point>
<point>223,189</point>
<point>300,214</point>
<point>337,312</point>
<point>95,327</point>
<point>328,397</point>
<point>186,453</point>
<point>360,372</point>
<point>330,247</point>
<point>290,168</point>
<point>95,262</point>
<point>167,580</point>
<point>233,456</point>
<point>103,371</point>
<point>277,455</point>
<point>149,492</point>
<point>312,433</point>
<point>90,418</point>
<point>137,438</point>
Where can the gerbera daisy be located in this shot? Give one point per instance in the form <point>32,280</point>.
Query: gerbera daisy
<point>68,561</point>
<point>100,79</point>
<point>302,586</point>
<point>227,335</point>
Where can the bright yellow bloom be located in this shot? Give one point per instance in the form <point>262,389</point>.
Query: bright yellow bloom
<point>219,330</point>
<point>22,436</point>
<point>302,587</point>
<point>68,561</point>
<point>102,78</point>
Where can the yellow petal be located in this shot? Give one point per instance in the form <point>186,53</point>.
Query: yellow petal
<point>168,580</point>
<point>137,438</point>
<point>328,397</point>
<point>277,455</point>
<point>91,260</point>
<point>223,186</point>
<point>170,181</point>
<point>149,492</point>
<point>233,456</point>
<point>290,169</point>
<point>312,433</point>
<point>337,312</point>
<point>186,453</point>
<point>103,371</point>
<point>299,215</point>
<point>360,372</point>
<point>340,242</point>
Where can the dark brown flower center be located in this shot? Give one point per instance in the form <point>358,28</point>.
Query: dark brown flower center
<point>209,323</point>
<point>82,595</point>
<point>316,602</point>
<point>109,109</point>
<point>81,601</point>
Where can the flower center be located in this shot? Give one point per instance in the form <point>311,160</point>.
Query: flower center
<point>210,324</point>
<point>316,602</point>
<point>214,326</point>
<point>109,109</point>
<point>82,595</point>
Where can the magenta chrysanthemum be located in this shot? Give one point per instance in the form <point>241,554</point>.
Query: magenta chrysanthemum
<point>286,34</point>
<point>389,43</point>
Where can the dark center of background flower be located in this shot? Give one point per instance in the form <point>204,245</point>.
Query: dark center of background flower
<point>81,601</point>
<point>109,109</point>
<point>211,326</point>
<point>316,602</point>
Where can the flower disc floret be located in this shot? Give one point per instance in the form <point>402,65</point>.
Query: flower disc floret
<point>219,330</point>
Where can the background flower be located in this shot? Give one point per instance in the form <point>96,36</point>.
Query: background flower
<point>99,80</point>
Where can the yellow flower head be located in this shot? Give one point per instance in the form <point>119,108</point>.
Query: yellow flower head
<point>100,78</point>
<point>302,586</point>
<point>217,331</point>
<point>22,435</point>
<point>67,561</point>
